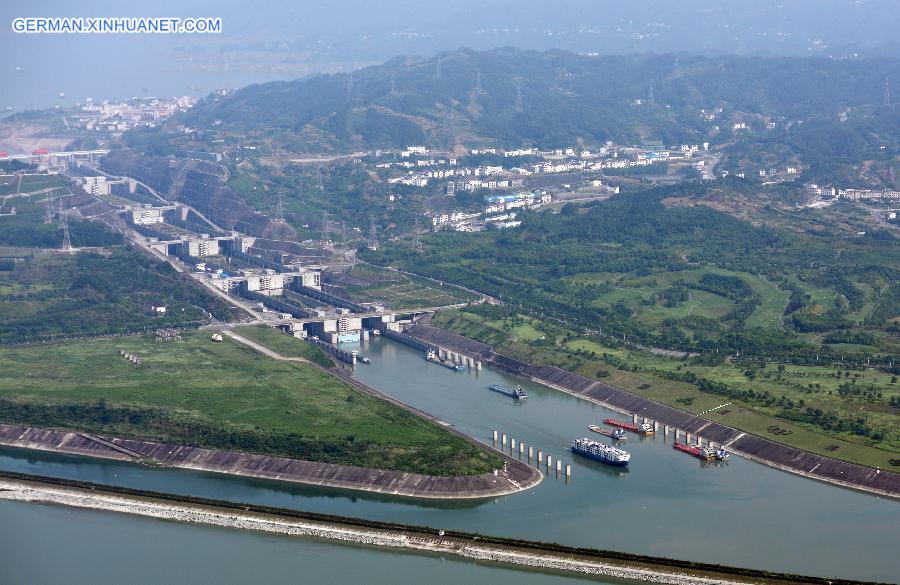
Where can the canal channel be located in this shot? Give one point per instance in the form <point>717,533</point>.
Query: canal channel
<point>667,504</point>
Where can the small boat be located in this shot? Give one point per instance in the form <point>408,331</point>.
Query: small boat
<point>722,454</point>
<point>518,393</point>
<point>617,434</point>
<point>365,360</point>
<point>376,331</point>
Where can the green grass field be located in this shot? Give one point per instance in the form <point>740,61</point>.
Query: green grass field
<point>646,374</point>
<point>402,291</point>
<point>223,395</point>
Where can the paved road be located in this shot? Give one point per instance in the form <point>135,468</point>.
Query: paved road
<point>262,348</point>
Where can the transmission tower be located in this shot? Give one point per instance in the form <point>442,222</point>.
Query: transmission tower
<point>349,88</point>
<point>887,91</point>
<point>650,99</point>
<point>319,182</point>
<point>325,229</point>
<point>393,85</point>
<point>64,226</point>
<point>518,96</point>
<point>437,70</point>
<point>280,210</point>
<point>373,236</point>
<point>477,83</point>
<point>48,213</point>
<point>417,244</point>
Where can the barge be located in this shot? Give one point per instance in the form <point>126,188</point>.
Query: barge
<point>704,453</point>
<point>436,359</point>
<point>641,429</point>
<point>616,434</point>
<point>518,393</point>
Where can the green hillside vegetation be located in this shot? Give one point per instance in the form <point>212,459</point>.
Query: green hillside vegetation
<point>566,100</point>
<point>89,293</point>
<point>222,395</point>
<point>687,278</point>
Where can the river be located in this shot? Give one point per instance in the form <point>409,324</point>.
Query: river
<point>667,504</point>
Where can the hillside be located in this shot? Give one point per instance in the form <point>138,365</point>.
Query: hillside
<point>549,99</point>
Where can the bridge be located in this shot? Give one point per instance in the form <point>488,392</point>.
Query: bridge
<point>41,154</point>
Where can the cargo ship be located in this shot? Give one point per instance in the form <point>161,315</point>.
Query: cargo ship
<point>641,429</point>
<point>601,452</point>
<point>436,359</point>
<point>697,451</point>
<point>516,392</point>
<point>617,434</point>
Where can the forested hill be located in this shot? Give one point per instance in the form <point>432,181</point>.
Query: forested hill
<point>511,97</point>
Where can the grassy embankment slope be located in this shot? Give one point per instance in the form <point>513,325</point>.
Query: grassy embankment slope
<point>226,396</point>
<point>285,344</point>
<point>646,374</point>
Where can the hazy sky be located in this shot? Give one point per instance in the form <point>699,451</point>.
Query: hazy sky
<point>288,39</point>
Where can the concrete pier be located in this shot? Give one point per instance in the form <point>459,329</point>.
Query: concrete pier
<point>495,436</point>
<point>568,470</point>
<point>530,453</point>
<point>558,466</point>
<point>512,444</point>
<point>687,438</point>
<point>540,456</point>
<point>634,418</point>
<point>549,461</point>
<point>504,440</point>
<point>521,449</point>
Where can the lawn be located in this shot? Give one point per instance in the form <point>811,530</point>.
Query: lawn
<point>222,395</point>
<point>401,291</point>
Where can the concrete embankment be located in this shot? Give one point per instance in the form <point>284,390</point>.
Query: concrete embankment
<point>515,477</point>
<point>753,447</point>
<point>20,487</point>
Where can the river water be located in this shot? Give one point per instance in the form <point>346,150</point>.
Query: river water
<point>667,503</point>
<point>50,545</point>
